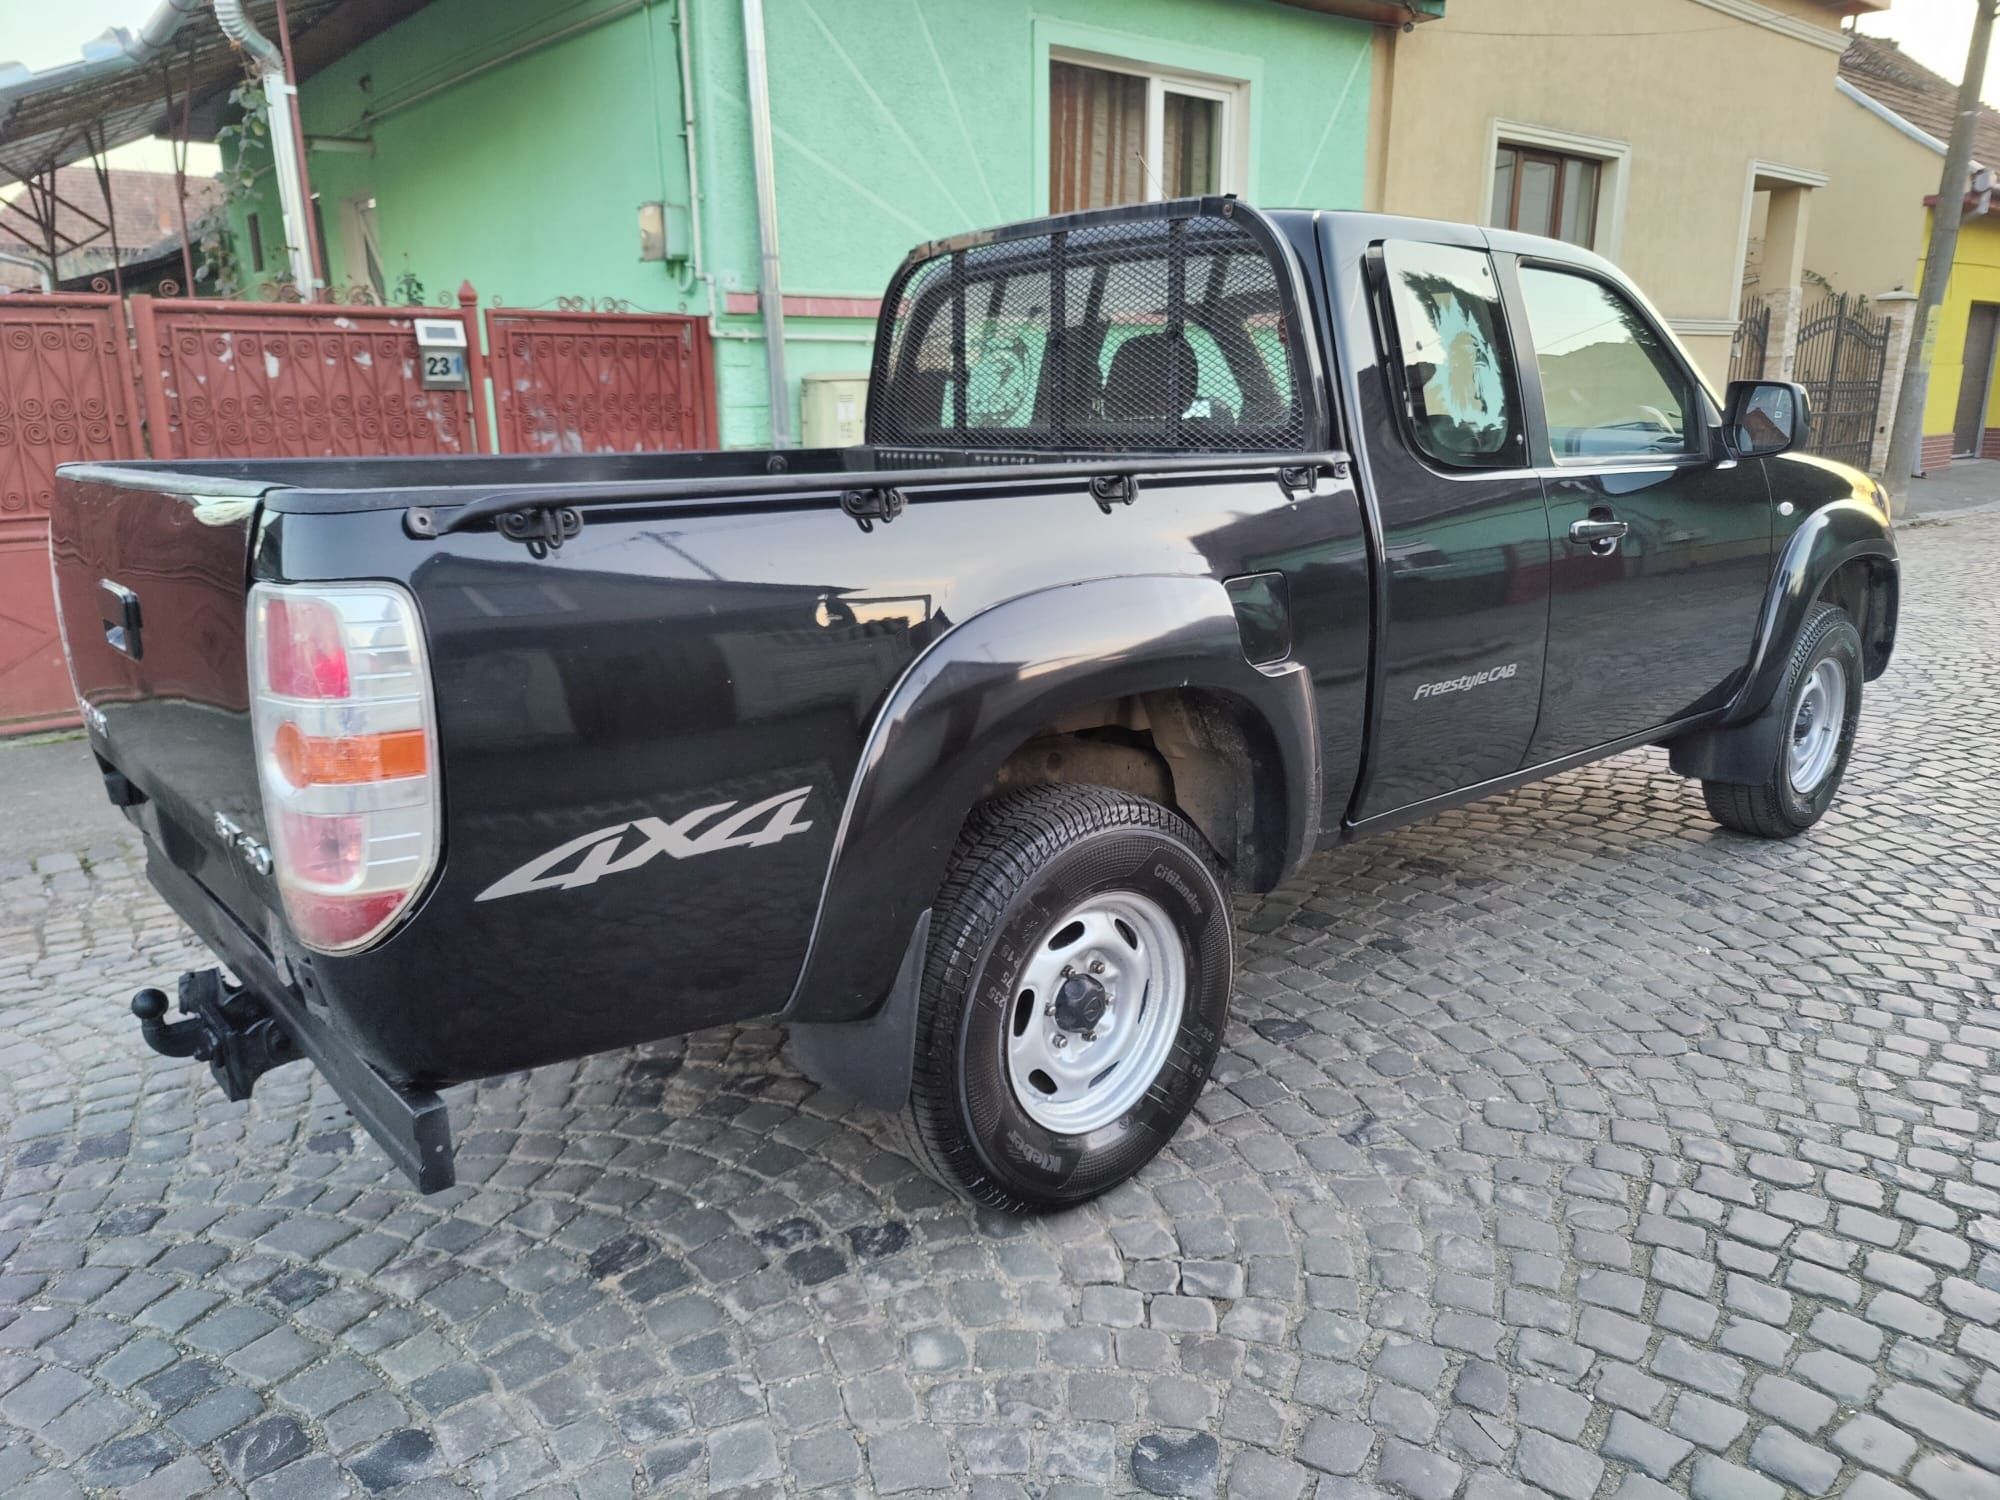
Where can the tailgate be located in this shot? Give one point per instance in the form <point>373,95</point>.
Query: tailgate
<point>150,588</point>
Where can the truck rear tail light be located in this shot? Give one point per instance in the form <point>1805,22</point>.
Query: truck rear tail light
<point>346,755</point>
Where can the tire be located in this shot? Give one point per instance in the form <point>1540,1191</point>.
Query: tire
<point>1029,869</point>
<point>1825,663</point>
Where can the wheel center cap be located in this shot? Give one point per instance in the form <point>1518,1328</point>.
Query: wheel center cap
<point>1080,1003</point>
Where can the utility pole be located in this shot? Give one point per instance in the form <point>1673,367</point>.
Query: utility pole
<point>1907,435</point>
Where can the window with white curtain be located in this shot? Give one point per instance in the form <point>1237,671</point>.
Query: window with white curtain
<point>1125,133</point>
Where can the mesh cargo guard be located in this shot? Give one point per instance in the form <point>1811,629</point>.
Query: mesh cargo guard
<point>1163,328</point>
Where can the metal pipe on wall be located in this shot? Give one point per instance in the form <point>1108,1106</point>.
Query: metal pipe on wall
<point>770,299</point>
<point>281,97</point>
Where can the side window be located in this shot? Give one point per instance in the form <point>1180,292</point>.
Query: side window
<point>1450,338</point>
<point>1609,382</point>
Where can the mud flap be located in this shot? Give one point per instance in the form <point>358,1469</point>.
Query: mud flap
<point>1741,755</point>
<point>870,1058</point>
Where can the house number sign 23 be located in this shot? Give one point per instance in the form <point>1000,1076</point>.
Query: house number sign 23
<point>441,354</point>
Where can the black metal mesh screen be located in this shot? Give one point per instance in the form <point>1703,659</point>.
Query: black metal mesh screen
<point>1153,334</point>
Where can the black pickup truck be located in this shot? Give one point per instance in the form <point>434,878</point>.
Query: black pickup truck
<point>1188,539</point>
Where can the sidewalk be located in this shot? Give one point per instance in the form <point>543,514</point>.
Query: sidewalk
<point>1968,484</point>
<point>54,799</point>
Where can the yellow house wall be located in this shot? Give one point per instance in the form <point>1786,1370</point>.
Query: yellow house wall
<point>1975,277</point>
<point>1696,101</point>
<point>1867,230</point>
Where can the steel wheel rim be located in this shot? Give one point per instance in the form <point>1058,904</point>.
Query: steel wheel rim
<point>1817,722</point>
<point>1127,946</point>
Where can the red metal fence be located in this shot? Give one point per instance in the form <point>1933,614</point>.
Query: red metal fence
<point>294,380</point>
<point>600,382</point>
<point>301,380</point>
<point>65,397</point>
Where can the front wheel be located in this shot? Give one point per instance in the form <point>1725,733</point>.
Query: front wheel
<point>1820,700</point>
<point>1074,996</point>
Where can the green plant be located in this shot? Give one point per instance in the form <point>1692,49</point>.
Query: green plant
<point>409,290</point>
<point>244,143</point>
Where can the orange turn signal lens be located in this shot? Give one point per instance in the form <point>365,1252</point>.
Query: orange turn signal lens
<point>312,760</point>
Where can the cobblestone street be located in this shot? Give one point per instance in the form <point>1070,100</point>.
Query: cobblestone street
<point>1563,1144</point>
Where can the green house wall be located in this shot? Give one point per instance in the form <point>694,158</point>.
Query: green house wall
<point>894,121</point>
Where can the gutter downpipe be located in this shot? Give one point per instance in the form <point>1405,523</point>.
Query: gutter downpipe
<point>698,274</point>
<point>38,267</point>
<point>283,101</point>
<point>134,51</point>
<point>770,299</point>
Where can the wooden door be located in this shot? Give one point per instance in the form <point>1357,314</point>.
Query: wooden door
<point>1976,383</point>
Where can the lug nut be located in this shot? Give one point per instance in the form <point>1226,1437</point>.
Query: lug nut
<point>1049,1009</point>
<point>1097,966</point>
<point>1090,1036</point>
<point>1061,1040</point>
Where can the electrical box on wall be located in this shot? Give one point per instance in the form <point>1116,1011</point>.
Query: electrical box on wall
<point>665,232</point>
<point>834,409</point>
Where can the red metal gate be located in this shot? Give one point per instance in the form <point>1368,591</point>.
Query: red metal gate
<point>297,380</point>
<point>613,382</point>
<point>301,380</point>
<point>65,397</point>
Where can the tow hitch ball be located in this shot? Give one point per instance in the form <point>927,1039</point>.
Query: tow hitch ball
<point>226,1028</point>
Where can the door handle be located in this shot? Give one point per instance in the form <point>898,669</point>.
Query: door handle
<point>120,608</point>
<point>1602,536</point>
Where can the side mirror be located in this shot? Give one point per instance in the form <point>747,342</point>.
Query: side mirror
<point>1761,418</point>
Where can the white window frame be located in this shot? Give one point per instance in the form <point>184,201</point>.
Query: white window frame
<point>1613,158</point>
<point>1233,94</point>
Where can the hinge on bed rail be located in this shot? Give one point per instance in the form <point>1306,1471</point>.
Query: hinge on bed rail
<point>1298,480</point>
<point>1113,489</point>
<point>544,529</point>
<point>872,505</point>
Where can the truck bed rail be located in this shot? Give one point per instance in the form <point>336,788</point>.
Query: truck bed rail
<point>1114,479</point>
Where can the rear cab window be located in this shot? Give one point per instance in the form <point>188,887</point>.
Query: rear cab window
<point>1148,334</point>
<point>1450,356</point>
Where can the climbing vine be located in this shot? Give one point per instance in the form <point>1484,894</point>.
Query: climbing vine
<point>244,143</point>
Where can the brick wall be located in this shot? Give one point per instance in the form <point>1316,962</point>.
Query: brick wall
<point>1936,452</point>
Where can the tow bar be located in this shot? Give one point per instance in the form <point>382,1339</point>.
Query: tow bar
<point>226,1028</point>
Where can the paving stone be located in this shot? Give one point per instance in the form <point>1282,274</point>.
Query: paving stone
<point>1793,1461</point>
<point>1561,1468</point>
<point>1870,1440</point>
<point>1707,1422</point>
<point>1641,1445</point>
<point>824,1459</point>
<point>1716,1479</point>
<point>1256,1475</point>
<point>1787,1401</point>
<point>1176,1463</point>
<point>913,1458</point>
<point>1417,1472</point>
<point>1336,1445</point>
<point>744,1454</point>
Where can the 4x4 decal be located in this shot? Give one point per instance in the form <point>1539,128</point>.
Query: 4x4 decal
<point>613,851</point>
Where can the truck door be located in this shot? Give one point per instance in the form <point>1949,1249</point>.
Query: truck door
<point>1465,543</point>
<point>1662,544</point>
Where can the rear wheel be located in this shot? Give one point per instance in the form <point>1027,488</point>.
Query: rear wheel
<point>1075,992</point>
<point>1820,702</point>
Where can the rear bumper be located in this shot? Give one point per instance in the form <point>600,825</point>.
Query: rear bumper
<point>411,1125</point>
